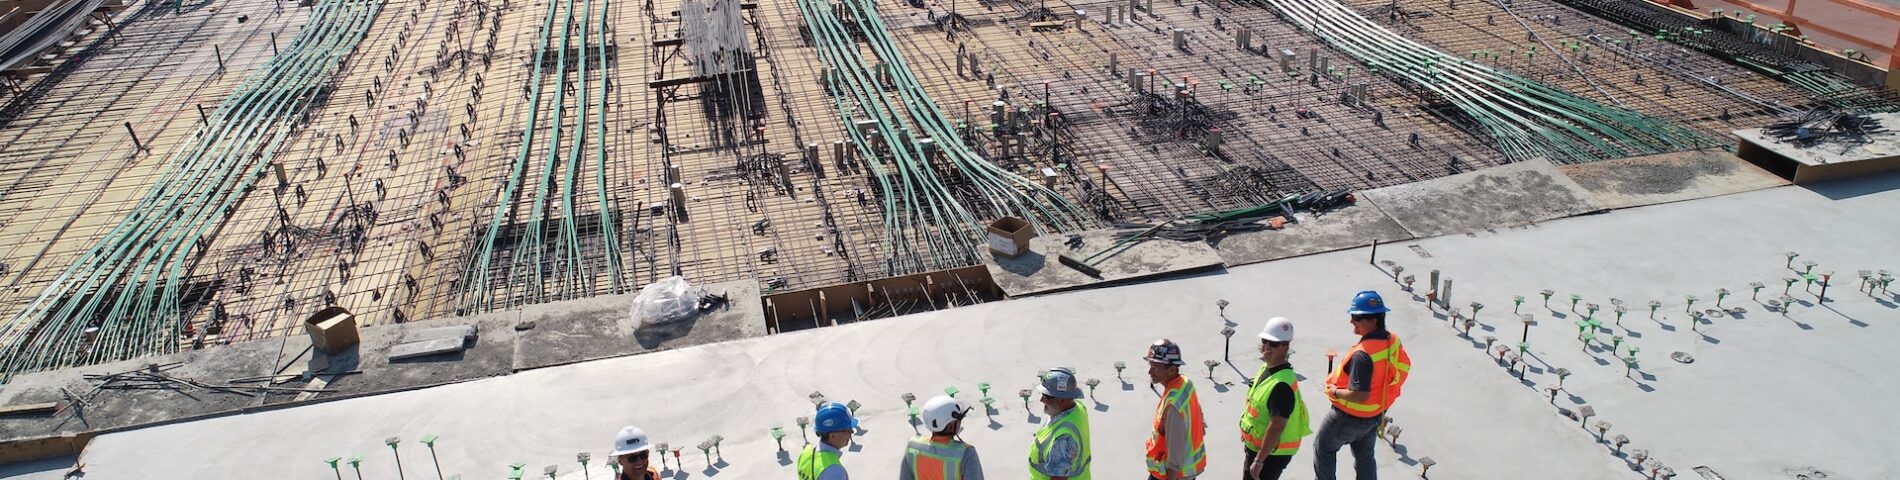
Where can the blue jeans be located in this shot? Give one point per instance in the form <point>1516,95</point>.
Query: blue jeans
<point>1342,429</point>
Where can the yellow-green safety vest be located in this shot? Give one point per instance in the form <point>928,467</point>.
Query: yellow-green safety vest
<point>1253,423</point>
<point>1073,423</point>
<point>812,462</point>
<point>936,461</point>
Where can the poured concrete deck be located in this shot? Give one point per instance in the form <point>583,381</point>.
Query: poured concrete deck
<point>1769,395</point>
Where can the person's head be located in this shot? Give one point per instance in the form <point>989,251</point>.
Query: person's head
<point>1059,390</point>
<point>1052,405</point>
<point>943,416</point>
<point>1164,361</point>
<point>1368,312</point>
<point>631,449</point>
<point>1276,340</point>
<point>834,424</point>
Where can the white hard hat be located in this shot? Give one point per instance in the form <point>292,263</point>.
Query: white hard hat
<point>940,411</point>
<point>631,440</point>
<point>1278,329</point>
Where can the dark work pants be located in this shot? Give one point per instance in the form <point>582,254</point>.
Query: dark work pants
<point>1271,471</point>
<point>1339,430</point>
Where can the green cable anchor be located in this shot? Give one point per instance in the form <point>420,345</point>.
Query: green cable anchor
<point>1025,394</point>
<point>1561,374</point>
<point>1720,293</point>
<point>429,441</point>
<point>778,437</point>
<point>952,391</point>
<point>983,387</point>
<point>1475,307</point>
<point>1516,301</point>
<point>1616,342</point>
<point>1574,298</point>
<point>802,423</point>
<point>1756,286</point>
<point>1118,370</point>
<point>514,470</point>
<point>583,457</point>
<point>550,470</point>
<point>1790,255</point>
<point>1807,266</point>
<point>909,399</point>
<point>1584,334</point>
<point>333,468</point>
<point>1591,308</point>
<point>658,447</point>
<point>1653,305</point>
<point>1547,293</point>
<point>1092,383</point>
<point>356,463</point>
<point>1619,314</point>
<point>705,448</point>
<point>1788,284</point>
<point>717,439</point>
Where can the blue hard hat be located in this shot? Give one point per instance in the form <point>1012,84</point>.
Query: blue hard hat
<point>1367,303</point>
<point>833,417</point>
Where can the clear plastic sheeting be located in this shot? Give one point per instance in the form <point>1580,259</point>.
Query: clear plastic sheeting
<point>665,301</point>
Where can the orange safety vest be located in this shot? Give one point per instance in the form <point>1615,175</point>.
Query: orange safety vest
<point>1390,367</point>
<point>1180,398</point>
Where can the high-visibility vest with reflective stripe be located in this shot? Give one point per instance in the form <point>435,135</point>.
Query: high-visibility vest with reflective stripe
<point>1074,424</point>
<point>1180,398</point>
<point>812,462</point>
<point>1390,368</point>
<point>932,460</point>
<point>1253,424</point>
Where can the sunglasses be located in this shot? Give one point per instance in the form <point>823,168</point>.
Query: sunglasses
<point>1273,344</point>
<point>635,457</point>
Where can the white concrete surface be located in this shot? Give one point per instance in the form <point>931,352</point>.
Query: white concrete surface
<point>1766,394</point>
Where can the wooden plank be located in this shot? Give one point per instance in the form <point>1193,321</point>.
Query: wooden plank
<point>29,408</point>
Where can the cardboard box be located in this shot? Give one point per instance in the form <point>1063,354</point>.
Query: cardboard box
<point>1009,236</point>
<point>332,330</point>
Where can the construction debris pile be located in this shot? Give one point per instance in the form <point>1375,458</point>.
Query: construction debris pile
<point>1822,126</point>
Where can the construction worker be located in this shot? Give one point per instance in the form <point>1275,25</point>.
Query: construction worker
<point>940,455</point>
<point>1276,415</point>
<point>1061,449</point>
<point>834,426</point>
<point>1174,449</point>
<point>1361,390</point>
<point>630,454</point>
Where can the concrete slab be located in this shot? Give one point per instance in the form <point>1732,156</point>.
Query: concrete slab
<point>1496,197</point>
<point>1349,227</point>
<point>114,409</point>
<point>602,327</point>
<point>1461,407</point>
<point>490,354</point>
<point>1039,271</point>
<point>1669,177</point>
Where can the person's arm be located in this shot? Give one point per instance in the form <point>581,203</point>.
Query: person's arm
<point>1359,380</point>
<point>972,465</point>
<point>904,469</point>
<point>1059,462</point>
<point>836,472</point>
<point>1176,433</point>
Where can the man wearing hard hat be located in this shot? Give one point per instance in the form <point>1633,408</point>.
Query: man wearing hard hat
<point>1061,447</point>
<point>630,455</point>
<point>1276,419</point>
<point>834,426</point>
<point>1361,391</point>
<point>940,455</point>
